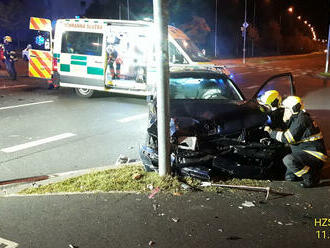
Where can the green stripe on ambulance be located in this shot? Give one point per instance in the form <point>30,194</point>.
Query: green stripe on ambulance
<point>75,62</point>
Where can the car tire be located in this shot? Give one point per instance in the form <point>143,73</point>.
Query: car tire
<point>83,92</point>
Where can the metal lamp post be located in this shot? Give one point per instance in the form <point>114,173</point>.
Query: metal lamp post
<point>328,47</point>
<point>162,67</point>
<point>216,28</point>
<point>245,25</point>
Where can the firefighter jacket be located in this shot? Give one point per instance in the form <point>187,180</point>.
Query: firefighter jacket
<point>9,53</point>
<point>302,134</point>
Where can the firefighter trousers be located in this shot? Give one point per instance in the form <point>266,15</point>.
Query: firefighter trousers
<point>300,163</point>
<point>10,66</point>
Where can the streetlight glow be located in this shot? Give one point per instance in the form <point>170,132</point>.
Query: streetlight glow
<point>305,22</point>
<point>299,17</point>
<point>290,9</point>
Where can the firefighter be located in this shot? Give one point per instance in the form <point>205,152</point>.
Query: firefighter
<point>9,56</point>
<point>308,152</point>
<point>114,58</point>
<point>271,101</point>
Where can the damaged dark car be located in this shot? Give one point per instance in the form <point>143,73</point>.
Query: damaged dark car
<point>214,129</point>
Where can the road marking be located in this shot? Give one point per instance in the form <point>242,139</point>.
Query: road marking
<point>133,118</point>
<point>25,105</point>
<point>37,143</point>
<point>14,86</point>
<point>7,243</point>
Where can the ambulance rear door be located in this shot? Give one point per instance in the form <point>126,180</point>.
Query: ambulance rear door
<point>80,53</point>
<point>41,59</point>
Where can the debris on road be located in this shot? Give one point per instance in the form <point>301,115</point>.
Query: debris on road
<point>175,220</point>
<point>267,190</point>
<point>154,192</point>
<point>151,243</point>
<point>248,204</point>
<point>122,159</point>
<point>137,176</point>
<point>185,186</point>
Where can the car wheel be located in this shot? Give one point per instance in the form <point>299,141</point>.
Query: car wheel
<point>84,92</point>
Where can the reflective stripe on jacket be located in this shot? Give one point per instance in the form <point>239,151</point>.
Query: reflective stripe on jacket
<point>302,134</point>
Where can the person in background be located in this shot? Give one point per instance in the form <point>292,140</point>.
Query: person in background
<point>9,56</point>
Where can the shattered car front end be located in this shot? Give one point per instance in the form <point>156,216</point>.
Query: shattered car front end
<point>213,130</point>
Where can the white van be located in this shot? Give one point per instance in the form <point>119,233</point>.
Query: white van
<point>104,55</point>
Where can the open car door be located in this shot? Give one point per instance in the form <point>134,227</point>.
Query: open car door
<point>41,58</point>
<point>283,83</point>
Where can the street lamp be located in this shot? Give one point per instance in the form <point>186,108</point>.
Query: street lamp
<point>305,22</point>
<point>290,9</point>
<point>299,17</point>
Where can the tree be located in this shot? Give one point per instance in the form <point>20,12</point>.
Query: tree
<point>253,35</point>
<point>11,15</point>
<point>271,36</point>
<point>197,29</point>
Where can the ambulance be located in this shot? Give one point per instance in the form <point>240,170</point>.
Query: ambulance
<point>105,55</point>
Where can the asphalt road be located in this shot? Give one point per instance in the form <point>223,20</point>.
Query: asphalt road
<point>50,131</point>
<point>193,220</point>
<point>80,133</point>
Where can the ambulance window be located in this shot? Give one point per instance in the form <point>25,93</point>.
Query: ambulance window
<point>82,43</point>
<point>175,56</point>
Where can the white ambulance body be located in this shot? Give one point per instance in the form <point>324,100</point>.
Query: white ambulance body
<point>105,55</point>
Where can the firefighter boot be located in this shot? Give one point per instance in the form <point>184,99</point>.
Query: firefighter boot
<point>290,176</point>
<point>311,178</point>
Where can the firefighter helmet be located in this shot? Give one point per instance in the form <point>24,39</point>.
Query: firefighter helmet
<point>294,103</point>
<point>7,39</point>
<point>271,99</point>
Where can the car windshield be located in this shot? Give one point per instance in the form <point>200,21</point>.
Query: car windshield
<point>202,88</point>
<point>192,50</point>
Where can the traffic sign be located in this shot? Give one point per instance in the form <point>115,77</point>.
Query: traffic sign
<point>245,24</point>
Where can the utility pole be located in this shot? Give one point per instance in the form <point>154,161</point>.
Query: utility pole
<point>163,107</point>
<point>127,9</point>
<point>216,28</point>
<point>328,47</point>
<point>254,25</point>
<point>245,25</point>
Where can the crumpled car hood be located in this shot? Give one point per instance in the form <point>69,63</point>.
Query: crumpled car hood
<point>228,117</point>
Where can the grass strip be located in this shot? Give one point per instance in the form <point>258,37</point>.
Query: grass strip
<point>131,178</point>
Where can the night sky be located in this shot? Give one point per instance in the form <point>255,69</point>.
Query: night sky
<point>317,12</point>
